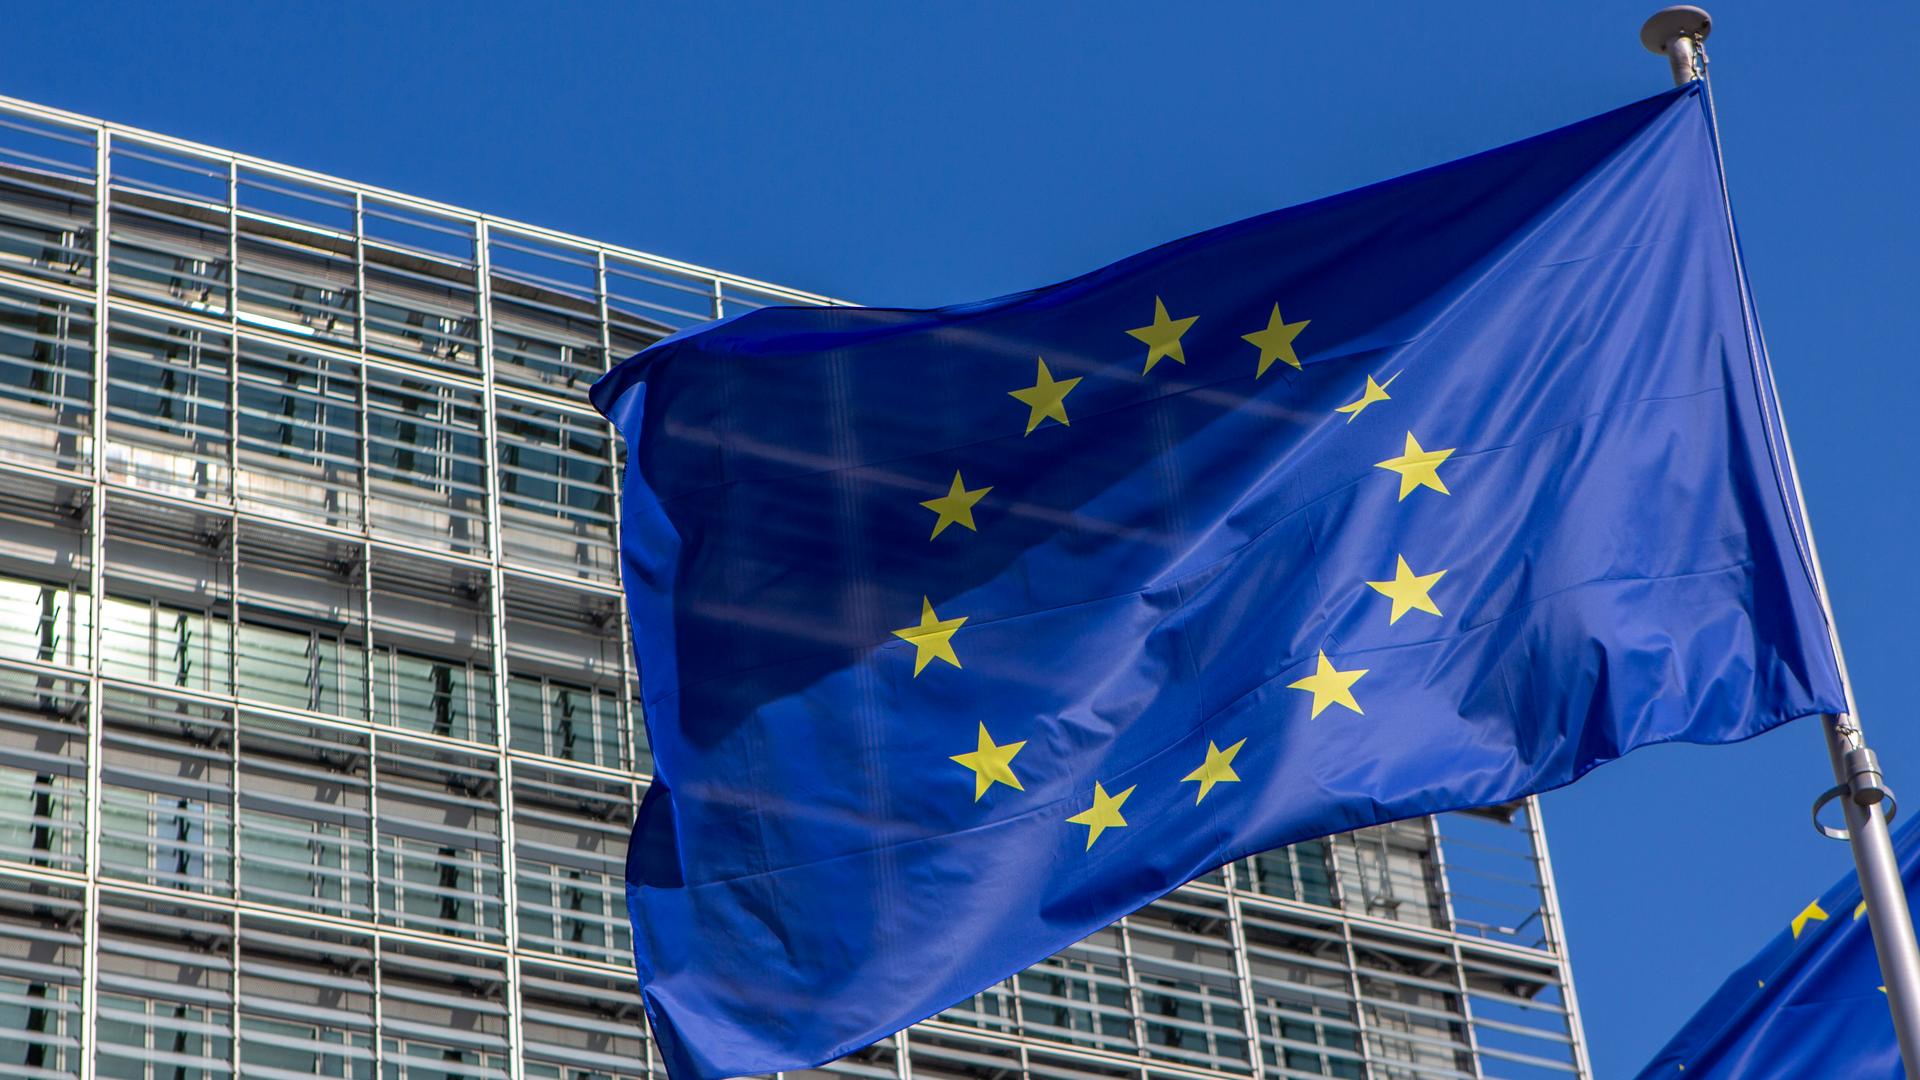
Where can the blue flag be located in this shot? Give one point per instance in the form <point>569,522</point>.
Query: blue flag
<point>964,632</point>
<point>1811,1004</point>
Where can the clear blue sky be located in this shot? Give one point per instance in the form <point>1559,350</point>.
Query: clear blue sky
<point>908,154</point>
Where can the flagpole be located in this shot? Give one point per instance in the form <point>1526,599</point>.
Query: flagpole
<point>1677,33</point>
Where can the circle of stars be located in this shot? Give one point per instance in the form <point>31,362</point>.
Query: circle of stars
<point>990,763</point>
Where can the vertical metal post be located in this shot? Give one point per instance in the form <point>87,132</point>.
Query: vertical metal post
<point>497,630</point>
<point>1555,934</point>
<point>1677,33</point>
<point>1337,887</point>
<point>632,719</point>
<point>236,860</point>
<point>1243,969</point>
<point>1135,1006</point>
<point>363,527</point>
<point>97,588</point>
<point>1880,884</point>
<point>1438,860</point>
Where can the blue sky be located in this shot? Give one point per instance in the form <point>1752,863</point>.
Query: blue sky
<point>911,155</point>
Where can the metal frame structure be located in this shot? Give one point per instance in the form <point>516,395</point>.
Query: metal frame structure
<point>318,738</point>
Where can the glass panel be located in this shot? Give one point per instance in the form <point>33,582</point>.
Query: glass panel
<point>1411,1007</point>
<point>1080,995</point>
<point>43,770</point>
<point>168,229</point>
<point>422,301</point>
<point>579,1026</point>
<point>568,661</point>
<point>992,1009</point>
<point>556,490</point>
<point>299,428</point>
<point>1045,1065</point>
<point>1388,871</point>
<point>166,618</point>
<point>306,1003</point>
<point>305,825</point>
<point>1189,987</point>
<point>312,670</point>
<point>166,992</point>
<point>942,1055</point>
<point>441,697</point>
<point>432,667</point>
<point>1303,999</point>
<point>302,626</point>
<point>40,966</point>
<point>44,623</point>
<point>1519,1015</point>
<point>444,1015</point>
<point>158,643</point>
<point>570,836</point>
<point>440,846</point>
<point>166,807</point>
<point>167,407</point>
<point>578,723</point>
<point>46,380</point>
<point>47,201</point>
<point>427,455</point>
<point>297,280</point>
<point>1299,872</point>
<point>546,317</point>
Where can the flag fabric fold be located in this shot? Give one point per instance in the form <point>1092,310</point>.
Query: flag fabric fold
<point>1812,1003</point>
<point>964,632</point>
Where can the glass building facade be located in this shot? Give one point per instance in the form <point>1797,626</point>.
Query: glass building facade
<point>318,741</point>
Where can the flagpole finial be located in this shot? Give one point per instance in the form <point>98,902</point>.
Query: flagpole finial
<point>1676,33</point>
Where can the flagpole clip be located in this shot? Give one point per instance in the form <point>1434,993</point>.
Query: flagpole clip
<point>1865,787</point>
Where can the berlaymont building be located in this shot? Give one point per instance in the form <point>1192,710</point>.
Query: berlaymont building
<point>318,743</point>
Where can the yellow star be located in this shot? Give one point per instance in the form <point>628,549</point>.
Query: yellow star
<point>1276,341</point>
<point>1329,686</point>
<point>1162,335</point>
<point>1408,590</point>
<point>1104,814</point>
<point>1217,769</point>
<point>1418,467</point>
<point>1811,913</point>
<point>1046,398</point>
<point>1860,909</point>
<point>956,506</point>
<point>1375,392</point>
<point>991,764</point>
<point>932,638</point>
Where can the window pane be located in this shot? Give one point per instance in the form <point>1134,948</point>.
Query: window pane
<point>305,825</point>
<point>40,964</point>
<point>299,434</point>
<point>167,408</point>
<point>167,801</point>
<point>46,379</point>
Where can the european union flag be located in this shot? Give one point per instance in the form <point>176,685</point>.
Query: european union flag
<point>1811,1004</point>
<point>964,632</point>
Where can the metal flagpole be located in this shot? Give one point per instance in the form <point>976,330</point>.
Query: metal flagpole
<point>1677,33</point>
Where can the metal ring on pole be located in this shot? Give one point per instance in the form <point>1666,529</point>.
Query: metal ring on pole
<point>1839,791</point>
